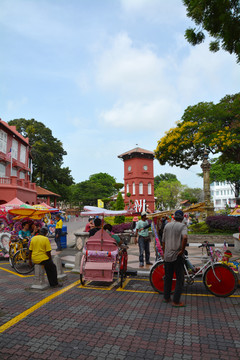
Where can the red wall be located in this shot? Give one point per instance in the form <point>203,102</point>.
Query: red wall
<point>136,175</point>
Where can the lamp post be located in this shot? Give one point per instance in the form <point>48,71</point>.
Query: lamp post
<point>209,209</point>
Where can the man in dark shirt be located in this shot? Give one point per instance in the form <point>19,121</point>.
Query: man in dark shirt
<point>97,223</point>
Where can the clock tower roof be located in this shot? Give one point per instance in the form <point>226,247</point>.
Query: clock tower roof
<point>137,153</point>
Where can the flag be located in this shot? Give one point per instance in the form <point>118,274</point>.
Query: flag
<point>100,203</point>
<point>9,154</point>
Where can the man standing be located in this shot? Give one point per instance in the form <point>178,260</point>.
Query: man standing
<point>143,239</point>
<point>174,243</point>
<point>40,253</point>
<point>58,232</point>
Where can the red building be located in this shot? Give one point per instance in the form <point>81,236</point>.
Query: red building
<point>15,166</point>
<point>139,178</point>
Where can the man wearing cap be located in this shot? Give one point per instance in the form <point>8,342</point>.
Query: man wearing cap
<point>174,242</point>
<point>143,239</point>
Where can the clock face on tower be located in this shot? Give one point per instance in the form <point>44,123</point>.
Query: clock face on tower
<point>129,168</point>
<point>145,167</point>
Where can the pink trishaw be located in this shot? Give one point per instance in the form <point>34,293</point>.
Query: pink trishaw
<point>100,255</point>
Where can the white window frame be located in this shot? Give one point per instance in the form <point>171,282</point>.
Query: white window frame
<point>14,171</point>
<point>23,151</point>
<point>14,149</point>
<point>3,141</point>
<point>127,188</point>
<point>133,188</point>
<point>141,188</point>
<point>2,170</point>
<point>22,175</point>
<point>149,188</point>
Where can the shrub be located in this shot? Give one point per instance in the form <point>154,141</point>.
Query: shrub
<point>119,219</point>
<point>222,223</point>
<point>121,227</point>
<point>201,228</point>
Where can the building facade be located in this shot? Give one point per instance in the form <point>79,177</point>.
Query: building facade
<point>138,179</point>
<point>222,195</point>
<point>15,166</point>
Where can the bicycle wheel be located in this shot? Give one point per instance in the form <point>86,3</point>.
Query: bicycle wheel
<point>123,269</point>
<point>156,277</point>
<point>82,270</point>
<point>21,263</point>
<point>224,283</point>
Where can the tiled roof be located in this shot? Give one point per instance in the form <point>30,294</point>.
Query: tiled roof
<point>136,150</point>
<point>12,128</point>
<point>42,191</point>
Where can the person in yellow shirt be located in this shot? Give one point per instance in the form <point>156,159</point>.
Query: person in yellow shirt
<point>40,253</point>
<point>58,232</point>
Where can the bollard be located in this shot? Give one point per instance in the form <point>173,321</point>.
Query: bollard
<point>78,258</point>
<point>58,262</point>
<point>39,278</point>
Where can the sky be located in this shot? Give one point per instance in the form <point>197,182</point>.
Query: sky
<point>106,75</point>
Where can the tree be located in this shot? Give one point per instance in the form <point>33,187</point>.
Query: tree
<point>167,194</point>
<point>194,195</point>
<point>226,172</point>
<point>99,186</point>
<point>119,205</point>
<point>220,18</point>
<point>163,177</point>
<point>47,152</point>
<point>203,126</point>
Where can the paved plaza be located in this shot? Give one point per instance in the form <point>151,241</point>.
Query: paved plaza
<point>103,321</point>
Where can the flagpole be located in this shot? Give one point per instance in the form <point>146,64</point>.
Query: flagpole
<point>11,162</point>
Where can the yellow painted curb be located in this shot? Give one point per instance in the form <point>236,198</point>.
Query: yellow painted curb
<point>14,273</point>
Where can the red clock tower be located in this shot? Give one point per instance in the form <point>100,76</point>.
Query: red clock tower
<point>139,178</point>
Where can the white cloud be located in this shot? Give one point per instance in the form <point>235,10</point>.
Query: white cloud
<point>129,70</point>
<point>149,90</point>
<point>141,115</point>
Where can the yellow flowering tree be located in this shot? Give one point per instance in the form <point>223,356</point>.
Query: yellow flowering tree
<point>205,125</point>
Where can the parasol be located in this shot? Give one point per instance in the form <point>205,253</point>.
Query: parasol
<point>44,206</point>
<point>28,211</point>
<point>14,203</point>
<point>96,211</point>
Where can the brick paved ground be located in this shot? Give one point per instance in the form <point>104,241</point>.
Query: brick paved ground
<point>83,323</point>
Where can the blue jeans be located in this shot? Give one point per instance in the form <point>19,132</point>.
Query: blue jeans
<point>143,247</point>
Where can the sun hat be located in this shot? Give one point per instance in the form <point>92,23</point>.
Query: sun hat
<point>135,218</point>
<point>143,213</point>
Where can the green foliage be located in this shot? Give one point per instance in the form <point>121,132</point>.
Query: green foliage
<point>47,153</point>
<point>220,18</point>
<point>205,125</point>
<point>200,228</point>
<point>194,195</point>
<point>118,186</point>
<point>119,205</point>
<point>229,172</point>
<point>164,177</point>
<point>167,194</point>
<point>98,186</point>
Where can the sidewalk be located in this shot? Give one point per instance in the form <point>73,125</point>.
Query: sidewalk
<point>94,322</point>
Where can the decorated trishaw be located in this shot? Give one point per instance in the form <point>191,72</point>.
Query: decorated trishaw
<point>100,256</point>
<point>219,273</point>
